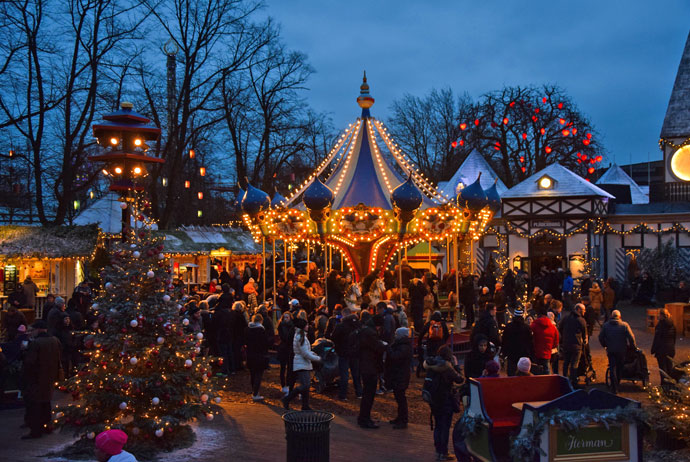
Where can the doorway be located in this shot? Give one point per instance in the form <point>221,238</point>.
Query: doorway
<point>547,251</point>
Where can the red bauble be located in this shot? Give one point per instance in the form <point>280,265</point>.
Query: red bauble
<point>142,234</point>
<point>149,364</point>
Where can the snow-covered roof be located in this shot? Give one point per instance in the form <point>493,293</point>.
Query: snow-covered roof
<point>677,118</point>
<point>204,239</point>
<point>566,184</point>
<point>107,214</point>
<point>467,174</point>
<point>47,242</point>
<point>616,175</point>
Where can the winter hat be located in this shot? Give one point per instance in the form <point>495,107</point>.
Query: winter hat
<point>524,364</point>
<point>294,302</point>
<point>40,324</point>
<point>111,442</point>
<point>300,323</point>
<point>59,301</point>
<point>492,367</point>
<point>402,332</point>
<point>518,313</point>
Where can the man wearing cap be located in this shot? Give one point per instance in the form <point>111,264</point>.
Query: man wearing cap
<point>109,446</point>
<point>616,336</point>
<point>42,368</point>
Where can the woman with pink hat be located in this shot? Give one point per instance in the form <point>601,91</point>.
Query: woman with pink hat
<point>109,446</point>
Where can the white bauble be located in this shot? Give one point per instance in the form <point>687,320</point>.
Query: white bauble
<point>217,399</point>
<point>161,256</point>
<point>199,336</point>
<point>159,432</point>
<point>134,323</point>
<point>188,363</point>
<point>197,350</point>
<point>133,246</point>
<point>156,400</point>
<point>133,360</point>
<point>160,340</point>
<point>136,254</point>
<point>135,430</point>
<point>123,205</point>
<point>166,298</point>
<point>94,306</point>
<point>209,417</point>
<point>123,405</point>
<point>185,322</point>
<point>150,274</point>
<point>90,435</point>
<point>179,307</point>
<point>108,285</point>
<point>59,415</point>
<point>113,310</point>
<point>204,398</point>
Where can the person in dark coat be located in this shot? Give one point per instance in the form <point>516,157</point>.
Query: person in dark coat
<point>484,298</point>
<point>268,325</point>
<point>11,322</point>
<point>42,368</point>
<point>16,298</point>
<point>433,341</point>
<point>389,325</point>
<point>256,341</point>
<point>664,343</point>
<point>501,302</point>
<point>286,332</point>
<point>417,291</point>
<point>48,305</point>
<point>468,296</point>
<point>65,334</point>
<point>399,360</point>
<point>221,320</point>
<point>487,325</point>
<point>509,286</point>
<point>227,298</point>
<point>517,342</point>
<point>55,316</point>
<point>573,334</point>
<point>348,361</point>
<point>442,405</point>
<point>224,278</point>
<point>371,349</point>
<point>478,356</point>
<point>616,336</point>
<point>238,325</point>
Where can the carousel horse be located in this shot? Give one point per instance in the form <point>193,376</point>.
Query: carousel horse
<point>353,297</point>
<point>377,292</point>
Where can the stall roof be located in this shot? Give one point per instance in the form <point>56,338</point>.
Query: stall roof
<point>467,174</point>
<point>616,175</point>
<point>567,184</point>
<point>204,239</point>
<point>107,214</point>
<point>48,242</point>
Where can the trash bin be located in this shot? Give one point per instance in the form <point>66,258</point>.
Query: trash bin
<point>308,435</point>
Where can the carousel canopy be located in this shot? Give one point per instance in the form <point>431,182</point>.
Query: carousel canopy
<point>468,172</point>
<point>616,175</point>
<point>107,214</point>
<point>47,242</point>
<point>366,165</point>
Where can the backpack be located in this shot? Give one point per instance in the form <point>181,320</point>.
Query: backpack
<point>435,330</point>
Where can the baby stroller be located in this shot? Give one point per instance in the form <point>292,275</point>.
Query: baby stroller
<point>327,370</point>
<point>634,368</point>
<point>585,368</point>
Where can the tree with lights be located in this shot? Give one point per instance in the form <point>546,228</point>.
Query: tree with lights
<point>669,412</point>
<point>144,374</point>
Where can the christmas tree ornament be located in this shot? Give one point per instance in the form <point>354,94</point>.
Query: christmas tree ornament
<point>166,298</point>
<point>123,405</point>
<point>136,254</point>
<point>161,256</point>
<point>156,400</point>
<point>159,432</point>
<point>133,323</point>
<point>150,274</point>
<point>123,205</point>
<point>132,246</point>
<point>204,398</point>
<point>133,360</point>
<point>197,350</point>
<point>90,435</point>
<point>108,285</point>
<point>199,336</point>
<point>135,431</point>
<point>160,340</point>
<point>217,399</point>
<point>185,322</point>
<point>94,306</point>
<point>209,417</point>
<point>188,363</point>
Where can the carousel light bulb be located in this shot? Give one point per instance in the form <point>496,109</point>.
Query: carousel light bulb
<point>137,142</point>
<point>137,170</point>
<point>114,141</point>
<point>118,170</point>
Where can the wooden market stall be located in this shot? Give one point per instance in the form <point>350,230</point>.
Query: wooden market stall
<point>54,257</point>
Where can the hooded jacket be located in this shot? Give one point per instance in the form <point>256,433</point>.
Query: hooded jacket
<point>545,337</point>
<point>517,339</point>
<point>449,375</point>
<point>256,341</point>
<point>475,361</point>
<point>487,325</point>
<point>398,361</point>
<point>303,354</point>
<point>616,335</point>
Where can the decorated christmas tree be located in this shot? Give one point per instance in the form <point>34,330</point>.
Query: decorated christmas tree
<point>144,373</point>
<point>669,412</point>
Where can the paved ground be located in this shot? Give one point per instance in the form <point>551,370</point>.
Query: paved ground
<point>255,432</point>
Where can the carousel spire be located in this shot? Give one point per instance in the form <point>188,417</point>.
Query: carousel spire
<point>365,100</point>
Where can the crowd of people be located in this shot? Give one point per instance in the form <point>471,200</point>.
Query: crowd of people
<point>390,324</point>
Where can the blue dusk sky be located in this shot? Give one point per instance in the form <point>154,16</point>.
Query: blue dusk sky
<point>616,59</point>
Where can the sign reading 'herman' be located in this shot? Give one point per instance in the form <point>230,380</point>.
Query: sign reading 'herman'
<point>594,442</point>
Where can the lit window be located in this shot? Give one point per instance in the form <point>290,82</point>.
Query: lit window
<point>545,182</point>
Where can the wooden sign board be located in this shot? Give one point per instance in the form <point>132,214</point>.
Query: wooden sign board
<point>593,442</point>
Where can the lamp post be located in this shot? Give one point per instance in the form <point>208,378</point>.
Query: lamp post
<point>125,134</point>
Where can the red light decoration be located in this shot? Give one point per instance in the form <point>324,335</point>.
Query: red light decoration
<point>542,131</point>
<point>462,142</point>
<point>494,124</point>
<point>585,142</point>
<point>454,144</point>
<point>579,161</point>
<point>536,110</point>
<point>599,158</point>
<point>589,136</point>
<point>505,121</point>
<point>561,121</point>
<point>523,169</point>
<point>535,118</point>
<point>512,104</point>
<point>544,99</point>
<point>476,122</point>
<point>524,136</point>
<point>574,131</point>
<point>560,105</point>
<point>202,171</point>
<point>587,179</point>
<point>463,126</point>
<point>200,195</point>
<point>522,158</point>
<point>187,184</point>
<point>547,149</point>
<point>566,132</point>
<point>590,170</point>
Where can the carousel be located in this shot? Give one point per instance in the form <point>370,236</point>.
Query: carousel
<point>369,203</point>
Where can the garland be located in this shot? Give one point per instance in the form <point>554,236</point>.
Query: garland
<point>528,447</point>
<point>469,424</point>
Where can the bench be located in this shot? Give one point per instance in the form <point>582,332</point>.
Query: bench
<point>493,398</point>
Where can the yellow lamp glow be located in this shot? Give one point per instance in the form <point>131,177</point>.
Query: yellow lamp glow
<point>118,170</point>
<point>137,170</point>
<point>114,141</point>
<point>545,183</point>
<point>680,163</point>
<point>137,142</point>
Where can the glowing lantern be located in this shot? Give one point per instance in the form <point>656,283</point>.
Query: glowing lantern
<point>560,105</point>
<point>200,195</point>
<point>536,111</point>
<point>462,142</point>
<point>524,136</point>
<point>454,144</point>
<point>599,158</point>
<point>463,126</point>
<point>476,122</point>
<point>561,121</point>
<point>199,213</point>
<point>187,184</point>
<point>590,170</point>
<point>535,118</point>
<point>202,171</point>
<point>547,149</point>
<point>505,121</point>
<point>566,132</point>
<point>524,169</point>
<point>512,104</point>
<point>542,131</point>
<point>589,136</point>
<point>522,158</point>
<point>574,131</point>
<point>544,99</point>
<point>585,142</point>
<point>192,154</point>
